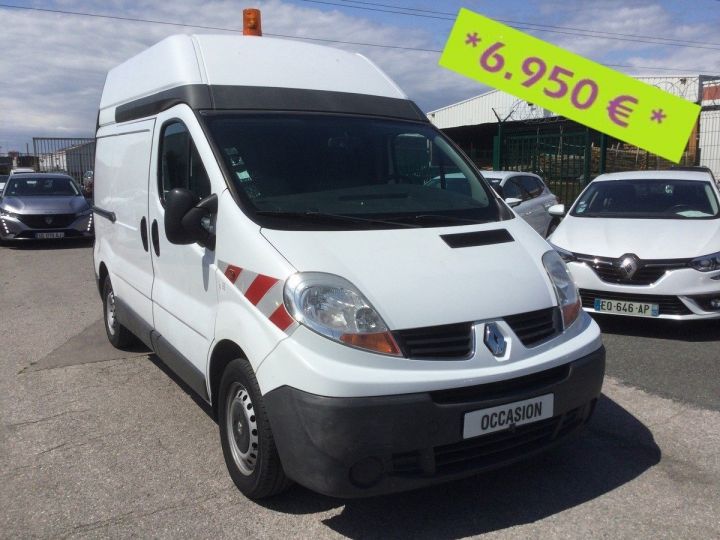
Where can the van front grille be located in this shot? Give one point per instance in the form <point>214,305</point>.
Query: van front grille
<point>536,327</point>
<point>492,450</point>
<point>533,383</point>
<point>450,341</point>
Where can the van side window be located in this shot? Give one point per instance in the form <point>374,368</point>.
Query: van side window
<point>180,165</point>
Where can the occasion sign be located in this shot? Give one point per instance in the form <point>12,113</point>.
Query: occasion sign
<point>569,85</point>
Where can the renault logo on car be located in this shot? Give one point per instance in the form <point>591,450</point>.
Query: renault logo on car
<point>48,220</point>
<point>629,264</point>
<point>494,339</point>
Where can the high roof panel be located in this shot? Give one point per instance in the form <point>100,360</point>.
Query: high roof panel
<point>241,61</point>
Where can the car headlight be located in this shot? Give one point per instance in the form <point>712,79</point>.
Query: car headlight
<point>565,289</point>
<point>84,213</point>
<point>567,256</point>
<point>333,307</point>
<point>706,263</point>
<point>7,213</point>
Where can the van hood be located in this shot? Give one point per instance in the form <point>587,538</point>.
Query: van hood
<point>413,278</point>
<point>646,238</point>
<point>45,205</point>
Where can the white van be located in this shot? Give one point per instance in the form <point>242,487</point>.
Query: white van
<point>267,222</point>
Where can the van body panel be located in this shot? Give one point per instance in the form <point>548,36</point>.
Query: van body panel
<point>291,64</point>
<point>121,168</point>
<point>184,294</point>
<point>339,413</point>
<point>244,248</point>
<point>415,279</point>
<point>226,61</point>
<point>171,62</point>
<point>327,368</point>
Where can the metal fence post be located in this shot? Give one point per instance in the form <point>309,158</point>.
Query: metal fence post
<point>586,158</point>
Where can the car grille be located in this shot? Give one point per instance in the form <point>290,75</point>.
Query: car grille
<point>488,451</point>
<point>669,305</point>
<point>40,221</point>
<point>533,383</point>
<point>455,341</point>
<point>648,272</point>
<point>447,341</point>
<point>535,327</point>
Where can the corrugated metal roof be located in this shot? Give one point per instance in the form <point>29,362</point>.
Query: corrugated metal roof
<point>479,109</point>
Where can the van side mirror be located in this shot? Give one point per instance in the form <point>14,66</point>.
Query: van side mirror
<point>557,210</point>
<point>189,220</point>
<point>512,202</point>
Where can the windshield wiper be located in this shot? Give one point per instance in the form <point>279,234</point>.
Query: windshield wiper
<point>324,216</point>
<point>445,218</point>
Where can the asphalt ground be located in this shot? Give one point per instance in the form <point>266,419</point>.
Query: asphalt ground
<point>96,442</point>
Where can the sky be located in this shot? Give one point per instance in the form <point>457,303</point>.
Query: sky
<point>53,65</point>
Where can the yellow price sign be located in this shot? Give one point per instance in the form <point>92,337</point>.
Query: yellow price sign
<point>569,85</point>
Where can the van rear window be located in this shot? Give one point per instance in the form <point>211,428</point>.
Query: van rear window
<point>290,167</point>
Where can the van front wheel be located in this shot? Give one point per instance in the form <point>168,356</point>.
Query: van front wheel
<point>247,442</point>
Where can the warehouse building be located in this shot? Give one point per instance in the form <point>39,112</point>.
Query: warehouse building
<point>500,131</point>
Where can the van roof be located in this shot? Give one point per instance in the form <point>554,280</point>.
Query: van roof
<point>243,72</point>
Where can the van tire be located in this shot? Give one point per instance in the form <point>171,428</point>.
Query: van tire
<point>256,474</point>
<point>118,336</point>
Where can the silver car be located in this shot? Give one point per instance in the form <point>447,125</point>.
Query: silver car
<point>43,205</point>
<point>531,198</point>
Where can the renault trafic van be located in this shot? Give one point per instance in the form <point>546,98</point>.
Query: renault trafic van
<point>272,219</point>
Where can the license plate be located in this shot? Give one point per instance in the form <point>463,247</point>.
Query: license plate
<point>506,416</point>
<point>50,235</point>
<point>637,309</point>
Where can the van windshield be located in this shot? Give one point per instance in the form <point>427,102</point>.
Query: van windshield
<point>349,172</point>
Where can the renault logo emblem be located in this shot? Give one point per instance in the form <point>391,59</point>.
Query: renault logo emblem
<point>48,219</point>
<point>629,264</point>
<point>494,339</point>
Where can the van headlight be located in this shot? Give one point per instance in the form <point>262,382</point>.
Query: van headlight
<point>706,263</point>
<point>567,256</point>
<point>565,289</point>
<point>332,306</point>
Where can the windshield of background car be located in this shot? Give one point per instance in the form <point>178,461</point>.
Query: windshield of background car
<point>495,182</point>
<point>366,170</point>
<point>648,199</point>
<point>35,186</point>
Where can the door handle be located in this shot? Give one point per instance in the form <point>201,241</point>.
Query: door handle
<point>155,237</point>
<point>143,233</point>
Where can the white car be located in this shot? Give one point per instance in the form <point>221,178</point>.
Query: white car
<point>528,195</point>
<point>263,222</point>
<point>645,243</point>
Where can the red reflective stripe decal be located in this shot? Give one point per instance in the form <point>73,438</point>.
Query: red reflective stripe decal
<point>232,273</point>
<point>258,288</point>
<point>281,318</point>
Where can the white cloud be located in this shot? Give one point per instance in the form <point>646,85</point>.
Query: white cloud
<point>58,62</point>
<point>637,18</point>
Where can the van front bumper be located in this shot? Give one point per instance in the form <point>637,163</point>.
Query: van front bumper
<point>363,446</point>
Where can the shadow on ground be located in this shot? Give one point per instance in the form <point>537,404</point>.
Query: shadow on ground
<point>614,449</point>
<point>692,331</point>
<point>200,402</point>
